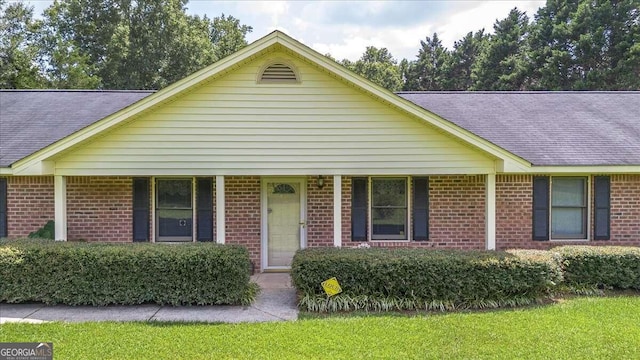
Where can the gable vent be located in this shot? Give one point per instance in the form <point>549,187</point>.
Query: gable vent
<point>279,72</point>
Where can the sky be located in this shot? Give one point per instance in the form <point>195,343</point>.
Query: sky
<point>345,28</point>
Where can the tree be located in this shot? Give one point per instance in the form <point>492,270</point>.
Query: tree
<point>463,57</point>
<point>587,45</point>
<point>429,71</point>
<point>379,66</point>
<point>18,47</point>
<point>125,44</point>
<point>227,35</point>
<point>503,64</point>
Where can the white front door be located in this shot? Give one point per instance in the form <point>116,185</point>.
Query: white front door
<point>285,223</point>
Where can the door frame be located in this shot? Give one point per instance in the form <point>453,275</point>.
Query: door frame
<point>264,226</point>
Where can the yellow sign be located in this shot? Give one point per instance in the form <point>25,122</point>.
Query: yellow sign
<point>331,286</point>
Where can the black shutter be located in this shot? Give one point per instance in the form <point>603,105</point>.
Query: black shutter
<point>3,208</point>
<point>204,209</point>
<point>140,209</point>
<point>602,209</point>
<point>540,208</point>
<point>421,208</point>
<point>359,192</point>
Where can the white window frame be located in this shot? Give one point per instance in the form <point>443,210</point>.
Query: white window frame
<point>409,234</point>
<point>587,219</point>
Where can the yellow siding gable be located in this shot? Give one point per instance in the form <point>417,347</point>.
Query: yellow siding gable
<point>236,126</point>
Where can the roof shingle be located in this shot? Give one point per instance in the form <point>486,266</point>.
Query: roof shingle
<point>588,128</point>
<point>33,119</point>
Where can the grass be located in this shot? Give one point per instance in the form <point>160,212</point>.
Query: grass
<point>589,327</point>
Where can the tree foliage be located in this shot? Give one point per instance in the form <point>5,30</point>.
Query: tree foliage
<point>148,44</point>
<point>123,44</point>
<point>379,66</point>
<point>18,47</point>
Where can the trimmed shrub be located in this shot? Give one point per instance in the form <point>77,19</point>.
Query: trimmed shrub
<point>46,232</point>
<point>101,274</point>
<point>414,279</point>
<point>589,267</point>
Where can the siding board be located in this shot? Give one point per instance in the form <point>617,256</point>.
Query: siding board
<point>233,125</point>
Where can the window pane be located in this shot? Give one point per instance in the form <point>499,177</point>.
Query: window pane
<point>568,223</point>
<point>389,192</point>
<point>389,223</point>
<point>175,223</point>
<point>568,192</point>
<point>174,194</point>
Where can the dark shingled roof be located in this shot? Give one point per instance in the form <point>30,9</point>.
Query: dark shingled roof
<point>33,119</point>
<point>547,128</point>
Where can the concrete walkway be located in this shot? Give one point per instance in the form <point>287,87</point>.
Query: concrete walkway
<point>276,302</point>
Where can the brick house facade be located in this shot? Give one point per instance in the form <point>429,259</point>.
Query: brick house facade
<point>277,148</point>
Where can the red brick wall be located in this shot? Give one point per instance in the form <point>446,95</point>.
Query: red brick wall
<point>242,218</point>
<point>514,202</point>
<point>625,210</point>
<point>319,212</point>
<point>30,204</point>
<point>99,209</point>
<point>457,211</point>
<point>514,207</point>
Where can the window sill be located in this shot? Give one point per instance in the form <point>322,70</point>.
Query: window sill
<point>569,240</point>
<point>388,240</point>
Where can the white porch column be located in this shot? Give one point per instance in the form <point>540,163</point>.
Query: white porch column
<point>60,205</point>
<point>337,210</point>
<point>220,210</point>
<point>490,211</point>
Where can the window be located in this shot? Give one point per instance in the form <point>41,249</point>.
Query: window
<point>389,208</point>
<point>174,209</point>
<point>568,208</point>
<point>383,208</point>
<point>560,207</point>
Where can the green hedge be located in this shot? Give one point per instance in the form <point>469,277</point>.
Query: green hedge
<point>408,279</point>
<point>101,274</point>
<point>613,267</point>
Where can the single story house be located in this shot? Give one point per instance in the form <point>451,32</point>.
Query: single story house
<point>278,147</point>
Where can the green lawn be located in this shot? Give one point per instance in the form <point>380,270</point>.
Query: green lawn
<point>585,328</point>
